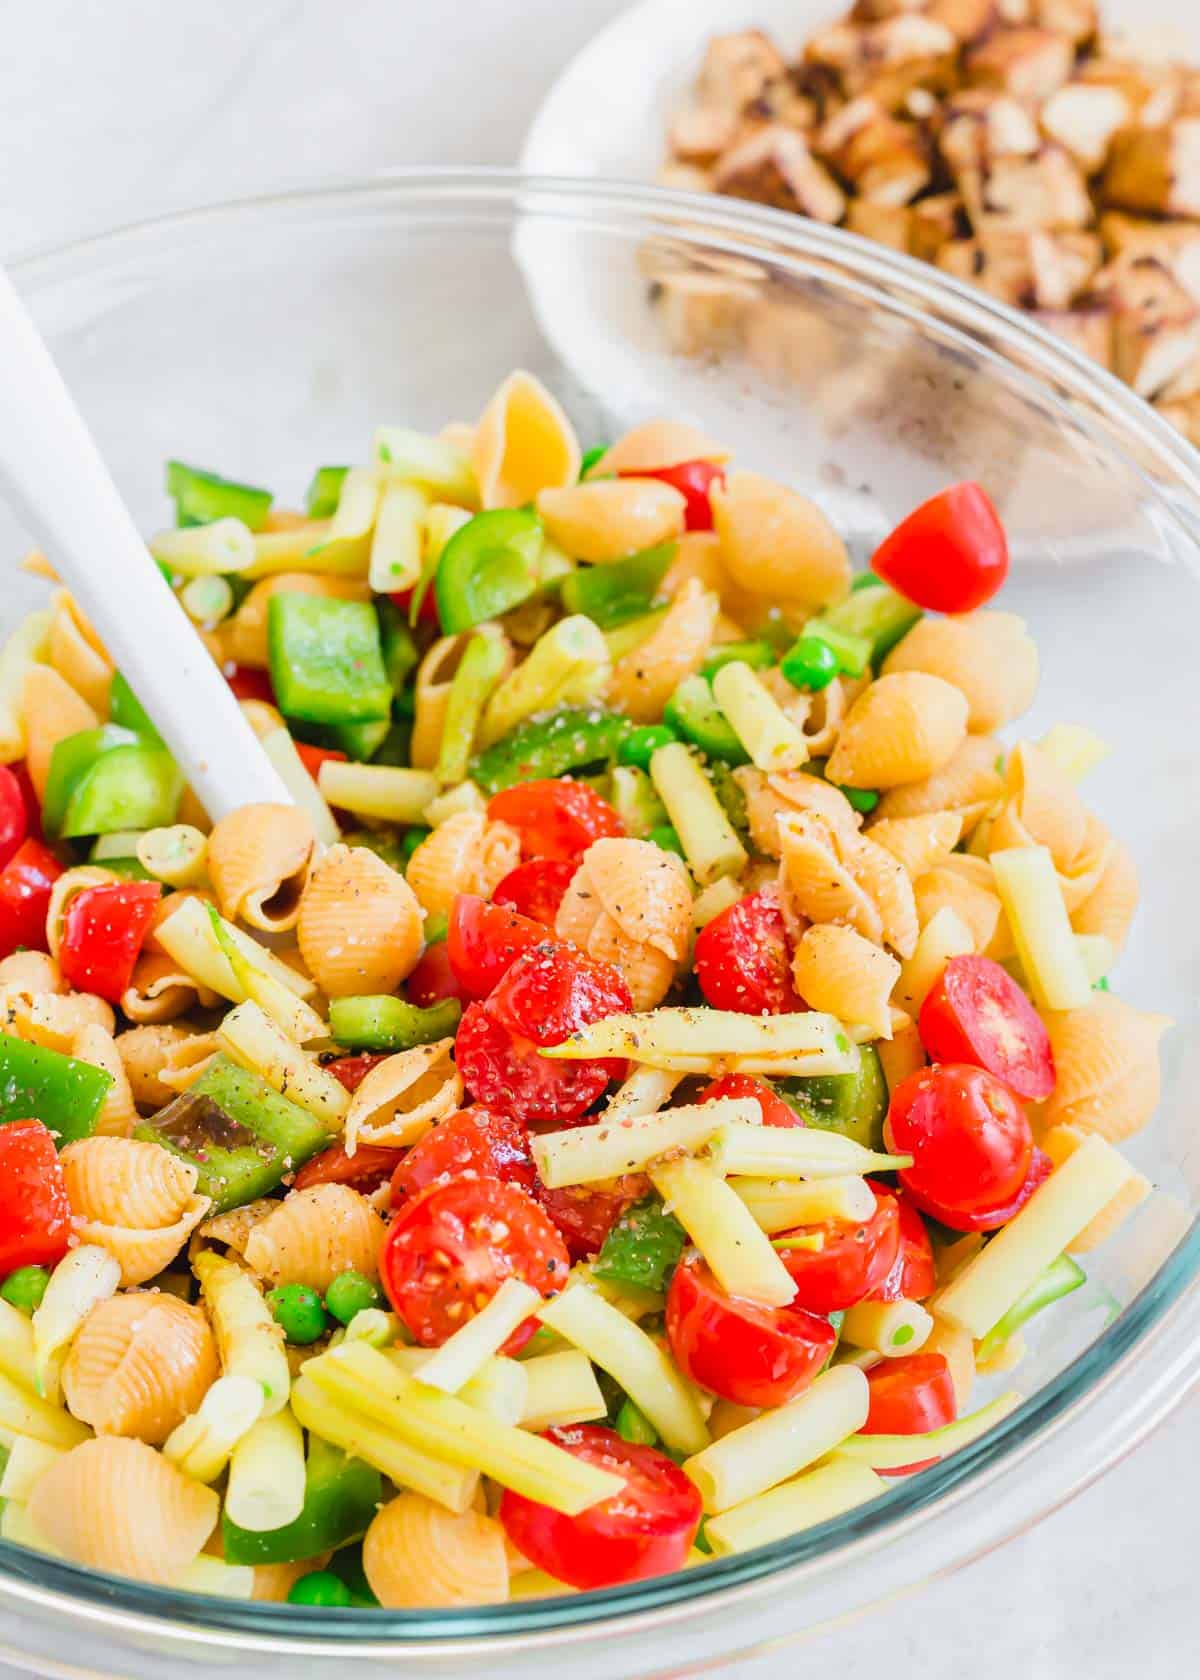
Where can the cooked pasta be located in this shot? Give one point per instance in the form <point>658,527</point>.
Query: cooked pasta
<point>402,1097</point>
<point>1109,909</point>
<point>837,970</point>
<point>50,711</point>
<point>246,638</point>
<point>314,1235</point>
<point>919,844</point>
<point>143,1051</point>
<point>657,444</point>
<point>903,728</point>
<point>988,656</point>
<point>611,517</point>
<point>1107,1067</point>
<point>644,680</point>
<point>968,783</point>
<point>523,444</point>
<point>77,654</point>
<point>778,544</point>
<point>465,854</point>
<point>359,926</point>
<point>258,862</point>
<point>629,904</point>
<point>418,1556</point>
<point>837,875</point>
<point>139,1365</point>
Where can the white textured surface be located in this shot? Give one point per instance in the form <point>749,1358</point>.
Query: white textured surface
<point>113,108</point>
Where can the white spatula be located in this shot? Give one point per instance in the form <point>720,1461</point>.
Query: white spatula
<point>52,473</point>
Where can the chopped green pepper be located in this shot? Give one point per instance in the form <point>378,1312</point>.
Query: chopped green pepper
<point>874,612</point>
<point>621,590</point>
<point>758,654</point>
<point>641,744</point>
<point>137,785</point>
<point>325,492</point>
<point>729,794</point>
<point>1060,1277</point>
<point>488,566</point>
<point>694,714</point>
<point>633,1425</point>
<point>340,1498</point>
<point>634,798</point>
<point>643,1247</point>
<point>551,745</point>
<point>242,1136</point>
<point>326,659</point>
<point>125,709</point>
<point>396,640</point>
<point>200,497</point>
<point>347,1565</point>
<point>666,837</point>
<point>64,1094</point>
<point>479,670</point>
<point>389,1023</point>
<point>359,741</point>
<point>71,758</point>
<point>385,846</point>
<point>590,456</point>
<point>410,840</point>
<point>854,1104</point>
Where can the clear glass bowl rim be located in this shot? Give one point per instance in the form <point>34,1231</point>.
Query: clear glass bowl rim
<point>1170,471</point>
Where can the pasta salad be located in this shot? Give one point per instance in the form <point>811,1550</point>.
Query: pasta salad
<point>610,1119</point>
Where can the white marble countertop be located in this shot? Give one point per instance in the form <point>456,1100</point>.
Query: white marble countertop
<point>110,109</point>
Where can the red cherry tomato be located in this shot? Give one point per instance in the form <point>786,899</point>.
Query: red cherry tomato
<point>25,885</point>
<point>366,1169</point>
<point>647,1529</point>
<point>249,684</point>
<point>910,1396</point>
<point>976,1012</point>
<point>968,1136</point>
<point>14,817</point>
<point>553,990</point>
<point>433,980</point>
<point>352,1070</point>
<point>694,481</point>
<point>556,817</point>
<point>535,889</point>
<point>950,555</point>
<point>35,1214</point>
<point>483,941</point>
<point>312,758</point>
<point>912,1277</point>
<point>450,1248</point>
<point>103,935</point>
<point>472,1143</point>
<point>775,1112</point>
<point>33,809</point>
<point>752,1355</point>
<point>1040,1168</point>
<point>742,960</point>
<point>428,613</point>
<point>584,1215</point>
<point>853,1261</point>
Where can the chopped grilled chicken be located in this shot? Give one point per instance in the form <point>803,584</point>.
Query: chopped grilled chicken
<point>1152,91</point>
<point>776,167</point>
<point>1156,322</point>
<point>886,59</point>
<point>885,160</point>
<point>886,224</point>
<point>685,177</point>
<point>1156,169</point>
<point>1084,119</point>
<point>935,221</point>
<point>1176,244</point>
<point>967,20</point>
<point>704,313</point>
<point>1076,20</point>
<point>979,126</point>
<point>1028,269</point>
<point>1088,327</point>
<point>736,71</point>
<point>1028,63</point>
<point>1045,191</point>
<point>1184,416</point>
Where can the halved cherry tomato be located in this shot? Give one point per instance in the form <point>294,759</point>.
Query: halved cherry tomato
<point>585,1214</point>
<point>249,684</point>
<point>694,481</point>
<point>483,941</point>
<point>475,1142</point>
<point>950,555</point>
<point>535,889</point>
<point>366,1169</point>
<point>647,1529</point>
<point>910,1396</point>
<point>967,1133</point>
<point>450,1248</point>
<point>742,960</point>
<point>775,1112</point>
<point>103,935</point>
<point>428,613</point>
<point>853,1261</point>
<point>752,1355</point>
<point>912,1276</point>
<point>35,1213</point>
<point>14,817</point>
<point>553,990</point>
<point>976,1012</point>
<point>25,886</point>
<point>555,817</point>
<point>433,980</point>
<point>312,758</point>
<point>991,1219</point>
<point>33,809</point>
<point>352,1070</point>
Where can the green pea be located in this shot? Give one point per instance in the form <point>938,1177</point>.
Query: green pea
<point>299,1313</point>
<point>666,837</point>
<point>634,1426</point>
<point>862,799</point>
<point>865,580</point>
<point>1100,985</point>
<point>322,1588</point>
<point>351,1293</point>
<point>590,456</point>
<point>811,663</point>
<point>410,840</point>
<point>640,745</point>
<point>25,1287</point>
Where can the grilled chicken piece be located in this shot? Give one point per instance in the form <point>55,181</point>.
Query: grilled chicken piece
<point>1156,169</point>
<point>776,167</point>
<point>1028,63</point>
<point>935,221</point>
<point>967,20</point>
<point>704,314</point>
<point>1151,90</point>
<point>1175,243</point>
<point>1076,20</point>
<point>1045,191</point>
<point>1088,327</point>
<point>1084,119</point>
<point>1184,415</point>
<point>1156,322</point>
<point>979,126</point>
<point>1027,269</point>
<point>886,224</point>
<point>887,59</point>
<point>736,71</point>
<point>885,160</point>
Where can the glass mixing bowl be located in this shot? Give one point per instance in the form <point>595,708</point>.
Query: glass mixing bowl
<point>266,338</point>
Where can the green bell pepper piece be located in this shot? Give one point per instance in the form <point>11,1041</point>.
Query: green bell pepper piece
<point>758,654</point>
<point>200,497</point>
<point>396,639</point>
<point>126,709</point>
<point>875,612</point>
<point>71,757</point>
<point>325,492</point>
<point>666,837</point>
<point>326,659</point>
<point>636,802</point>
<point>341,1495</point>
<point>134,786</point>
<point>242,1136</point>
<point>1060,1278</point>
<point>359,741</point>
<point>553,745</point>
<point>633,1425</point>
<point>694,714</point>
<point>729,795</point>
<point>614,594</point>
<point>590,456</point>
<point>384,845</point>
<point>488,566</point>
<point>347,1565</point>
<point>128,868</point>
<point>854,1104</point>
<point>643,1247</point>
<point>64,1094</point>
<point>389,1023</point>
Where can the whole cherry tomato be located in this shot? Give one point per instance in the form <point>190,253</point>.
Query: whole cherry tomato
<point>853,1261</point>
<point>450,1247</point>
<point>990,1219</point>
<point>26,882</point>
<point>742,961</point>
<point>646,1529</point>
<point>968,1136</point>
<point>103,934</point>
<point>910,1396</point>
<point>475,1142</point>
<point>912,1277</point>
<point>950,555</point>
<point>694,481</point>
<point>775,1112</point>
<point>14,817</point>
<point>433,980</point>
<point>976,1012</point>
<point>484,940</point>
<point>750,1354</point>
<point>556,817</point>
<point>584,1214</point>
<point>35,1213</point>
<point>366,1169</point>
<point>535,889</point>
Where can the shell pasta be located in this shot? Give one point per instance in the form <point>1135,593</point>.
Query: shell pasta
<point>663,1056</point>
